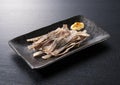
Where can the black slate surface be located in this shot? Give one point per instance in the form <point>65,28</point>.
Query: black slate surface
<point>97,65</point>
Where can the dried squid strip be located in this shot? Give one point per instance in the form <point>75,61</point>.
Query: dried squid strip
<point>33,39</point>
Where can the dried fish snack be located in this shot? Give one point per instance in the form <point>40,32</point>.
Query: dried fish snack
<point>59,41</point>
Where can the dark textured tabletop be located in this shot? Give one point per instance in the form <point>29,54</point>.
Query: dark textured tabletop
<point>96,65</point>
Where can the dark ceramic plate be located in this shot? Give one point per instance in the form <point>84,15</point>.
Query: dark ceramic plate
<point>19,44</point>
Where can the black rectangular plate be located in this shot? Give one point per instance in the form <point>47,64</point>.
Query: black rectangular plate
<point>19,44</point>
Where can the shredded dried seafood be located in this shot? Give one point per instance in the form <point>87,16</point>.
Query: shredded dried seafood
<point>58,42</point>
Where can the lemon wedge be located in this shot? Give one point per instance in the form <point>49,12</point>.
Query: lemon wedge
<point>77,26</point>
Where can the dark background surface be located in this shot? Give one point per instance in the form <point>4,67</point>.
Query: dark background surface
<point>96,65</point>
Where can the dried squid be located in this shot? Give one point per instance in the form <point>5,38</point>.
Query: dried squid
<point>59,41</point>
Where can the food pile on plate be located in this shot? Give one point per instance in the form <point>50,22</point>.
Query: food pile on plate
<point>59,41</point>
